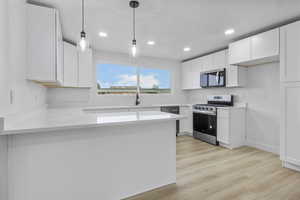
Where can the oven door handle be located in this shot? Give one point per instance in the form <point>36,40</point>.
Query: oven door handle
<point>204,112</point>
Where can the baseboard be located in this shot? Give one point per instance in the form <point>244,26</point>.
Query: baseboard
<point>291,166</point>
<point>264,147</point>
<point>185,133</point>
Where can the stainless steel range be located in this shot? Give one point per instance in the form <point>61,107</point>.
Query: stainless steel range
<point>205,117</point>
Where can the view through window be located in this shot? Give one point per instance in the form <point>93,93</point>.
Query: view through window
<point>120,79</point>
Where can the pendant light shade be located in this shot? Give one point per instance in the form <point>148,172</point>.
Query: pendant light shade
<point>83,43</point>
<point>134,5</point>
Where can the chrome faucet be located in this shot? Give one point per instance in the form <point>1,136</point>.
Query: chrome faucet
<point>137,99</point>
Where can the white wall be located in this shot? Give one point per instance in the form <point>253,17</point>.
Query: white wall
<point>4,101</point>
<point>26,95</point>
<point>78,97</point>
<point>4,66</point>
<point>262,96</point>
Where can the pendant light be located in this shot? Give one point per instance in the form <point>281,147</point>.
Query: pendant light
<point>134,5</point>
<point>83,43</point>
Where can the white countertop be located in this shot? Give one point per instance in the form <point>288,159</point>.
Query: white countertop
<point>63,119</point>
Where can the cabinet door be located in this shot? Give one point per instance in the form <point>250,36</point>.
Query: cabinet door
<point>186,125</point>
<point>232,76</point>
<point>219,60</point>
<point>85,68</point>
<point>265,44</point>
<point>70,65</point>
<point>196,70</point>
<point>290,52</point>
<point>191,74</point>
<point>183,76</point>
<point>223,131</point>
<point>186,80</point>
<point>59,51</point>
<point>41,43</point>
<point>240,51</point>
<point>290,135</point>
<point>207,63</point>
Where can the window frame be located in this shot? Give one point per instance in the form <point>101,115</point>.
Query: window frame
<point>138,67</point>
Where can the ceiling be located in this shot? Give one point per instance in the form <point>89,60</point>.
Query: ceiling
<point>172,24</point>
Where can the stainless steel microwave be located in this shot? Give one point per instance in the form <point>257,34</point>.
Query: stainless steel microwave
<point>213,79</point>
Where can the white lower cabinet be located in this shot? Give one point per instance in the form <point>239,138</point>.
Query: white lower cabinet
<point>231,127</point>
<point>290,126</point>
<point>186,125</point>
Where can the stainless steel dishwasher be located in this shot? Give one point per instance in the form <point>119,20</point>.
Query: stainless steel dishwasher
<point>173,110</point>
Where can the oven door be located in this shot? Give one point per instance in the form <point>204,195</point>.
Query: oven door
<point>205,127</point>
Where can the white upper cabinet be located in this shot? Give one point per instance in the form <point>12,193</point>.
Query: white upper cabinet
<point>240,51</point>
<point>185,76</point>
<point>190,76</point>
<point>51,61</point>
<point>290,52</point>
<point>219,60</point>
<point>45,45</point>
<point>70,65</point>
<point>265,45</point>
<point>207,62</point>
<point>258,49</point>
<point>85,68</point>
<point>191,70</point>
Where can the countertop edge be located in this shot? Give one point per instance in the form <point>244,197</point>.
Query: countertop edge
<point>82,126</point>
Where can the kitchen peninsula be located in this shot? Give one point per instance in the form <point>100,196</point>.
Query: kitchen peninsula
<point>87,155</point>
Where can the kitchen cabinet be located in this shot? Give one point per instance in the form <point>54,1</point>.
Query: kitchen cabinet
<point>258,49</point>
<point>219,60</point>
<point>231,126</point>
<point>207,63</point>
<point>265,45</point>
<point>290,52</point>
<point>185,74</point>
<point>186,125</point>
<point>240,51</point>
<point>45,45</point>
<point>85,68</point>
<point>290,95</point>
<point>70,65</point>
<point>190,78</point>
<point>191,70</point>
<point>236,76</point>
<point>290,126</point>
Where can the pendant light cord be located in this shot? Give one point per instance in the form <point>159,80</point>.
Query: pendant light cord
<point>82,14</point>
<point>133,23</point>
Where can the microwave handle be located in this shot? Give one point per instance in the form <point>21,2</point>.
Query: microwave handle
<point>218,78</point>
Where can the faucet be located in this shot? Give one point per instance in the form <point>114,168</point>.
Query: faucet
<point>137,98</point>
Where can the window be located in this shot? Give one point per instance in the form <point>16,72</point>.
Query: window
<point>154,81</point>
<point>120,79</point>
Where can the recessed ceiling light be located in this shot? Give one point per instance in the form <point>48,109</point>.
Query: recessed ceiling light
<point>186,49</point>
<point>102,34</point>
<point>150,42</point>
<point>229,31</point>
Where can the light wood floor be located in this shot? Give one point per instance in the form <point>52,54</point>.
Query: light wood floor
<point>206,172</point>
